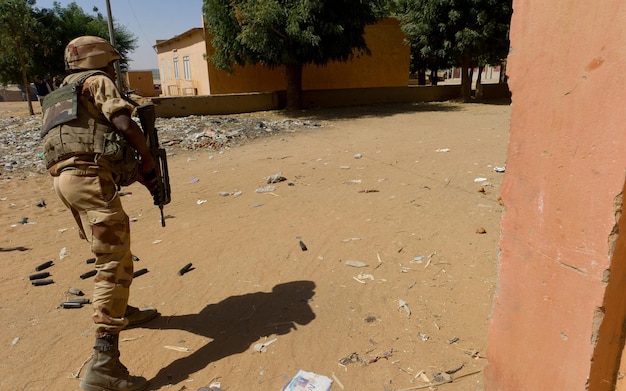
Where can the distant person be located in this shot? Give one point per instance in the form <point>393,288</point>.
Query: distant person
<point>56,82</point>
<point>42,87</point>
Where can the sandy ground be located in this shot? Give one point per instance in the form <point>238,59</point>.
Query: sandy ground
<point>394,187</point>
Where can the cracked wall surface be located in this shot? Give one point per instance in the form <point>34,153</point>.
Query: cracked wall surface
<point>558,315</point>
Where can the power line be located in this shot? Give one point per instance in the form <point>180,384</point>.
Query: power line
<point>132,10</point>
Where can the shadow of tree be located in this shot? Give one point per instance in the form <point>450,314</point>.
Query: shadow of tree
<point>233,325</point>
<point>370,111</point>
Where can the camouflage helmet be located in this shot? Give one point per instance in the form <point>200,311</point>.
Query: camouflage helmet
<point>89,52</point>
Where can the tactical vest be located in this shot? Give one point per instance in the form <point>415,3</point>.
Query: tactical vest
<point>72,126</point>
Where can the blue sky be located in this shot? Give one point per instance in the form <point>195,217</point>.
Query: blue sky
<point>148,20</point>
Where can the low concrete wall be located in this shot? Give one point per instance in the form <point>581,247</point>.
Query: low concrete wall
<point>244,103</point>
<point>182,106</point>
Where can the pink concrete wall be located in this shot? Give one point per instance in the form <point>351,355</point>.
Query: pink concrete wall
<point>559,309</point>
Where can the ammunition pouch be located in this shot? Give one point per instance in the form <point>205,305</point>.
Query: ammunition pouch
<point>120,158</point>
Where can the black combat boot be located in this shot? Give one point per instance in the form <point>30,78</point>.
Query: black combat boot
<point>138,316</point>
<point>106,372</point>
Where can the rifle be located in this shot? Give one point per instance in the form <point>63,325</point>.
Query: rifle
<point>162,195</point>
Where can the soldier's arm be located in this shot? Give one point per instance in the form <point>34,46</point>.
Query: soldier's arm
<point>129,129</point>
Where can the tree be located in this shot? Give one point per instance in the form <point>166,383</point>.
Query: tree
<point>17,24</point>
<point>290,33</point>
<point>62,24</point>
<point>32,40</point>
<point>466,33</point>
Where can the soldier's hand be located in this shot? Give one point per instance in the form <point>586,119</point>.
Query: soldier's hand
<point>149,176</point>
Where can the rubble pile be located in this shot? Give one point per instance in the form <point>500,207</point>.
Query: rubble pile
<point>21,149</point>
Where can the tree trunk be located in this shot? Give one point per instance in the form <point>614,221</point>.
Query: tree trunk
<point>433,77</point>
<point>293,76</point>
<point>25,78</point>
<point>466,81</point>
<point>421,77</point>
<point>503,77</point>
<point>479,86</point>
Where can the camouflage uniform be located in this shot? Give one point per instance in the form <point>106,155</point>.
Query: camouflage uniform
<point>88,189</point>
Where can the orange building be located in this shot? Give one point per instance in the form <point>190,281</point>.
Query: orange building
<point>184,69</point>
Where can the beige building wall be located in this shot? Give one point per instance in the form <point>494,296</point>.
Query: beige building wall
<point>141,82</point>
<point>182,67</point>
<point>388,66</point>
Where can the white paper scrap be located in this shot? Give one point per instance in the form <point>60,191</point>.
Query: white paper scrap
<point>308,381</point>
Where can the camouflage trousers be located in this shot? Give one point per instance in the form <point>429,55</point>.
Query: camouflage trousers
<point>97,209</point>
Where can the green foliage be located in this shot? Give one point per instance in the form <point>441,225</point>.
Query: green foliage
<point>17,35</point>
<point>43,34</point>
<point>279,32</point>
<point>289,32</point>
<point>443,32</point>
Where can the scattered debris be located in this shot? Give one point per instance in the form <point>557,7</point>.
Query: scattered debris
<point>303,246</point>
<point>20,142</point>
<point>71,304</point>
<point>358,155</point>
<point>352,359</point>
<point>278,177</point>
<point>442,150</point>
<point>42,282</point>
<point>38,276</point>
<point>77,374</point>
<point>88,274</point>
<point>308,381</point>
<point>41,203</point>
<point>499,169</point>
<point>185,269</point>
<point>481,230</point>
<point>352,263</point>
<point>44,265</point>
<point>140,272</point>
<point>75,291</point>
<point>178,348</point>
<point>402,305</point>
<point>262,347</point>
<point>265,189</point>
<point>339,383</point>
<point>370,319</point>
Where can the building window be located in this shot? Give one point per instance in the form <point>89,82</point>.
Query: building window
<point>186,68</point>
<point>176,70</point>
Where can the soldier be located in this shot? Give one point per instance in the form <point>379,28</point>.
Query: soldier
<point>90,147</point>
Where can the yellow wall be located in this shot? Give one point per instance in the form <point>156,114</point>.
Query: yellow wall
<point>388,66</point>
<point>191,44</point>
<point>141,81</point>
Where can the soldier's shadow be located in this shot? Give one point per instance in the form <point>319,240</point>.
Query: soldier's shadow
<point>234,324</point>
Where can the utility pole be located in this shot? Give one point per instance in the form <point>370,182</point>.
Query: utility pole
<point>116,64</point>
